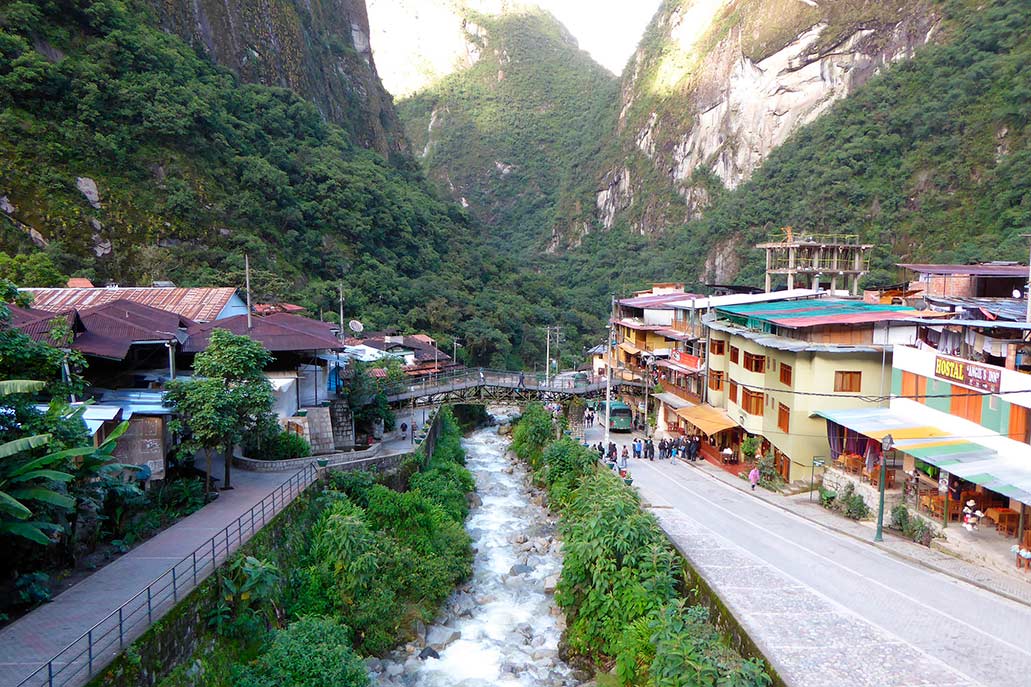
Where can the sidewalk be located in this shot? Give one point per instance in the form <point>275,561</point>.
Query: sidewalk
<point>34,639</point>
<point>1012,587</point>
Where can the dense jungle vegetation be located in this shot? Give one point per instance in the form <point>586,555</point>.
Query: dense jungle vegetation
<point>622,585</point>
<point>360,563</point>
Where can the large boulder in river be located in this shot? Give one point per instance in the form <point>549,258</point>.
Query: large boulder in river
<point>441,636</point>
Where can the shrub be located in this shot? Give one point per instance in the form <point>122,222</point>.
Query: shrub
<point>278,445</point>
<point>312,652</point>
<point>847,502</point>
<point>913,527</point>
<point>533,433</point>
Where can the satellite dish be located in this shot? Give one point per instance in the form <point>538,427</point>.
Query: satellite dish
<point>356,326</point>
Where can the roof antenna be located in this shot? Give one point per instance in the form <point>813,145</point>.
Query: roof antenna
<point>247,278</point>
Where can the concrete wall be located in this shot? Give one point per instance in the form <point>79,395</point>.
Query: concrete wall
<point>334,460</point>
<point>836,480</point>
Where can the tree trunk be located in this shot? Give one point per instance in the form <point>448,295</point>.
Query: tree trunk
<point>207,479</point>
<point>228,461</point>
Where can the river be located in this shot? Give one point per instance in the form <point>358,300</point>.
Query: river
<point>501,627</point>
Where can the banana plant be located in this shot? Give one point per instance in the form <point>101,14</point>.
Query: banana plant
<point>25,484</point>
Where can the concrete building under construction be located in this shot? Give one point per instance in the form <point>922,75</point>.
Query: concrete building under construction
<point>806,260</point>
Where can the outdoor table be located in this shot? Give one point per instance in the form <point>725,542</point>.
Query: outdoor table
<point>996,514</point>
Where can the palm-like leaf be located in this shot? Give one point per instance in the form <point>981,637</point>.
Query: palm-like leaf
<point>11,448</point>
<point>20,386</point>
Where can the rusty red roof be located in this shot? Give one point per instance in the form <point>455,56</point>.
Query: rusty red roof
<point>200,304</point>
<point>272,332</point>
<point>988,269</point>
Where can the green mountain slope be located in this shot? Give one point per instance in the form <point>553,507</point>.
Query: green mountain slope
<point>509,134</point>
<point>929,160</point>
<point>193,169</point>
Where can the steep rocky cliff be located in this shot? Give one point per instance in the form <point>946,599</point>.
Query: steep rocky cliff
<point>716,85</point>
<point>317,48</point>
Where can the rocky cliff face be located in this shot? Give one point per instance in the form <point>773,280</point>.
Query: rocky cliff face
<point>318,48</point>
<point>717,84</point>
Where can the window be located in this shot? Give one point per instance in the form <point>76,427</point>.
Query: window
<point>733,392</point>
<point>734,351</point>
<point>755,363</point>
<point>783,417</point>
<point>848,381</point>
<point>717,347</point>
<point>752,402</point>
<point>716,380</point>
<point>785,374</point>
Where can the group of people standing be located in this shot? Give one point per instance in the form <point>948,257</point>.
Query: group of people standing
<point>685,448</point>
<point>589,417</point>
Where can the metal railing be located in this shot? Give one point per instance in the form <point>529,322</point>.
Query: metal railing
<point>98,646</point>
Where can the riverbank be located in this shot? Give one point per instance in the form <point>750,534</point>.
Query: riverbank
<point>343,572</point>
<point>625,590</point>
<point>502,625</point>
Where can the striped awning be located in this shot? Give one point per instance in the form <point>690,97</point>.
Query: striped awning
<point>957,446</point>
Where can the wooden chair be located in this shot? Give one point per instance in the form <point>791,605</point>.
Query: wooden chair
<point>1008,524</point>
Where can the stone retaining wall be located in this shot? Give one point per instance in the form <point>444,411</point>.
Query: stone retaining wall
<point>836,480</point>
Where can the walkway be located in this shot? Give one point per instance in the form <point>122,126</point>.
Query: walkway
<point>37,637</point>
<point>826,608</point>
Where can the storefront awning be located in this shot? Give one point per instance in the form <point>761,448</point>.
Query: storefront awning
<point>707,419</point>
<point>630,348</point>
<point>943,440</point>
<point>673,401</point>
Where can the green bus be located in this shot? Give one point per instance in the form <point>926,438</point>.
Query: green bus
<point>620,416</point>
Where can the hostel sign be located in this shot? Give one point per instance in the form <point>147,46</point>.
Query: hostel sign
<point>691,361</point>
<point>968,374</point>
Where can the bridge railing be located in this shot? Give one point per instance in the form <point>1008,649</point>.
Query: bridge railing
<point>465,379</point>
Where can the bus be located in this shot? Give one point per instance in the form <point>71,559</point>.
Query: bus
<point>620,416</point>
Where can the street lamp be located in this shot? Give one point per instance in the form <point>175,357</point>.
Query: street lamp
<point>886,444</point>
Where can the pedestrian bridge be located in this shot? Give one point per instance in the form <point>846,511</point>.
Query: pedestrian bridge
<point>498,386</point>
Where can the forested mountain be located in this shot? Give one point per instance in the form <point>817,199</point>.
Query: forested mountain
<point>128,156</point>
<point>508,135</point>
<point>929,160</point>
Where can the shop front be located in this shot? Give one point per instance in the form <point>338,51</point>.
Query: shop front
<point>721,436</point>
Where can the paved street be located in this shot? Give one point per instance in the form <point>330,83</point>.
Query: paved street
<point>827,609</point>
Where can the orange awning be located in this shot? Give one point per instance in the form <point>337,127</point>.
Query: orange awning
<point>707,419</point>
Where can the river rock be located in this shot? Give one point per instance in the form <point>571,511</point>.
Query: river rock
<point>441,636</point>
<point>520,569</point>
<point>473,499</point>
<point>374,665</point>
<point>538,641</point>
<point>551,583</point>
<point>394,669</point>
<point>514,581</point>
<point>6,206</point>
<point>419,628</point>
<point>428,652</point>
<point>519,539</point>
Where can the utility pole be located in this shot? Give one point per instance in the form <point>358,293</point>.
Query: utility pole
<point>454,350</point>
<point>608,374</point>
<point>340,288</point>
<point>247,280</point>
<point>547,357</point>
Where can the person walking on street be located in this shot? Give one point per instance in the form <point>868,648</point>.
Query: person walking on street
<point>625,455</point>
<point>622,461</point>
<point>753,476</point>
<point>649,449</point>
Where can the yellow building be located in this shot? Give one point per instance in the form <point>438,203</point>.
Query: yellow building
<point>771,366</point>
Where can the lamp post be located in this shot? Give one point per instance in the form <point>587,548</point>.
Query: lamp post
<point>886,444</point>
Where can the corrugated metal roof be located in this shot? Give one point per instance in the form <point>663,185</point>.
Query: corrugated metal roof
<point>703,303</point>
<point>279,332</point>
<point>987,324</point>
<point>782,343</point>
<point>983,270</point>
<point>196,303</point>
<point>659,301</point>
<point>815,313</point>
<point>1014,309</point>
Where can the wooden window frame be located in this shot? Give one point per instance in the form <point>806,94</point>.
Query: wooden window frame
<point>786,379</point>
<point>753,361</point>
<point>716,380</point>
<point>848,381</point>
<point>753,402</point>
<point>717,347</point>
<point>783,418</point>
<point>732,392</point>
<point>735,354</point>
